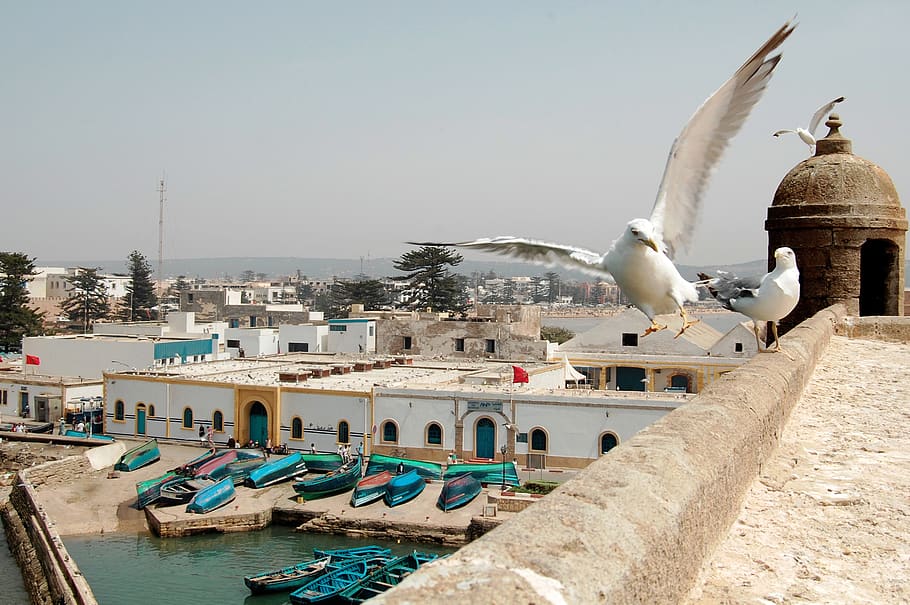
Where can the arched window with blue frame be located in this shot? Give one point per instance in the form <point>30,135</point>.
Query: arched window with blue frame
<point>434,434</point>
<point>538,440</point>
<point>118,410</point>
<point>296,428</point>
<point>187,418</point>
<point>218,421</point>
<point>344,435</point>
<point>389,432</point>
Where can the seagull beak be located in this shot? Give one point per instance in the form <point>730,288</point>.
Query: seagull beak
<point>650,243</point>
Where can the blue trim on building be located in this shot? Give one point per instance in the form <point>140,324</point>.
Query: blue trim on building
<point>183,348</point>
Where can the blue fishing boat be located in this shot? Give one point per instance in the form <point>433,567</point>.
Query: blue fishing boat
<point>84,435</point>
<point>238,470</point>
<point>139,456</point>
<point>189,467</point>
<point>380,462</point>
<point>209,498</point>
<point>404,488</point>
<point>342,479</point>
<point>182,489</point>
<point>219,459</point>
<point>321,463</point>
<point>280,469</point>
<point>149,491</point>
<point>488,473</point>
<point>287,578</point>
<point>370,489</point>
<point>384,577</point>
<point>458,491</point>
<point>327,586</point>
<point>349,554</point>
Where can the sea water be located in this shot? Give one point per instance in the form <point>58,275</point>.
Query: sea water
<point>13,590</point>
<point>125,569</point>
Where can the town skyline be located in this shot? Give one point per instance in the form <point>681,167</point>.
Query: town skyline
<point>310,131</point>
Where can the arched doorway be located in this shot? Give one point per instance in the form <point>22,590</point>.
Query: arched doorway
<point>680,381</point>
<point>607,442</point>
<point>140,419</point>
<point>485,439</point>
<point>879,274</point>
<point>259,423</point>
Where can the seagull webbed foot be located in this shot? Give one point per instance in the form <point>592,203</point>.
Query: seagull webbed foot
<point>686,325</point>
<point>654,327</point>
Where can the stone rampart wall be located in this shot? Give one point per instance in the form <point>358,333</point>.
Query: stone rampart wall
<point>636,525</point>
<point>51,574</point>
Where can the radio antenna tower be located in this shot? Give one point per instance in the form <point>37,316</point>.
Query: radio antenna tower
<point>161,189</point>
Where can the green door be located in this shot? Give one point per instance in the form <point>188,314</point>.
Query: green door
<point>485,434</point>
<point>259,423</point>
<point>140,420</point>
<point>630,379</point>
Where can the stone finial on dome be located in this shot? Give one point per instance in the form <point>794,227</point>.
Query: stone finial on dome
<point>834,141</point>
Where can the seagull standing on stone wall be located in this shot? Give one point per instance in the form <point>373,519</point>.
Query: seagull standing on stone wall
<point>808,134</point>
<point>640,260</point>
<point>770,297</point>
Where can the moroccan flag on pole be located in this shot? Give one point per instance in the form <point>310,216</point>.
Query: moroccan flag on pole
<point>32,360</point>
<point>519,374</point>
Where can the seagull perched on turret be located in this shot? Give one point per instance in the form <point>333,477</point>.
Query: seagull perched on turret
<point>640,260</point>
<point>808,134</point>
<point>770,297</point>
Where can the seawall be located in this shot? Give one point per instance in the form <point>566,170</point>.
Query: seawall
<point>636,525</point>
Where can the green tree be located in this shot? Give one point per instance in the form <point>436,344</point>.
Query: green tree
<point>247,276</point>
<point>17,319</point>
<point>371,293</point>
<point>556,334</point>
<point>433,286</point>
<point>88,300</point>
<point>553,286</point>
<point>140,301</point>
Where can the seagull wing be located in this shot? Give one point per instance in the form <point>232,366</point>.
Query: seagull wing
<point>699,146</point>
<point>534,251</point>
<point>821,112</point>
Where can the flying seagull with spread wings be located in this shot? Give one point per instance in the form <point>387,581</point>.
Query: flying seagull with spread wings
<point>640,260</point>
<point>769,297</point>
<point>808,134</point>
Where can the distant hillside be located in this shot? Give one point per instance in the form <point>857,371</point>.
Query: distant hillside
<point>326,268</point>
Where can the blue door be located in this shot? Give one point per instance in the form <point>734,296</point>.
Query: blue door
<point>140,419</point>
<point>259,423</point>
<point>485,439</point>
<point>23,404</point>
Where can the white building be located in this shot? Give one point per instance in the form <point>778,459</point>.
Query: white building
<point>353,335</point>
<point>306,338</point>
<point>251,342</point>
<point>422,410</point>
<point>34,395</point>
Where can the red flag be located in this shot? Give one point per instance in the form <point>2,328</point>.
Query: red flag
<point>32,360</point>
<point>519,374</point>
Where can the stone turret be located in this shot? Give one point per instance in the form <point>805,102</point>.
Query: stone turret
<point>842,216</point>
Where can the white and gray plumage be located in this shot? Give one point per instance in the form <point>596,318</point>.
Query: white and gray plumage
<point>770,297</point>
<point>808,134</point>
<point>640,259</point>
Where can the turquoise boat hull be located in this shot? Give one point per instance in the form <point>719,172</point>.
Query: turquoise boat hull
<point>387,576</point>
<point>458,491</point>
<point>340,555</point>
<point>149,491</point>
<point>238,470</point>
<point>281,469</point>
<point>84,435</point>
<point>379,463</point>
<point>321,463</point>
<point>490,473</point>
<point>404,488</point>
<point>287,578</point>
<point>183,489</point>
<point>340,480</point>
<point>326,587</point>
<point>139,456</point>
<point>212,497</point>
<point>371,488</point>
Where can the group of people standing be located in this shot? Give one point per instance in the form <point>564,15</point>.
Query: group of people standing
<point>344,450</point>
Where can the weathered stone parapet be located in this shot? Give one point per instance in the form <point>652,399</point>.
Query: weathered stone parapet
<point>52,576</point>
<point>636,525</point>
<point>894,329</point>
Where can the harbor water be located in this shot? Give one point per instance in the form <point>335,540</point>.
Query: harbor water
<point>13,591</point>
<point>127,569</point>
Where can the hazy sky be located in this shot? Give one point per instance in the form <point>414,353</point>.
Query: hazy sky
<point>342,129</point>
